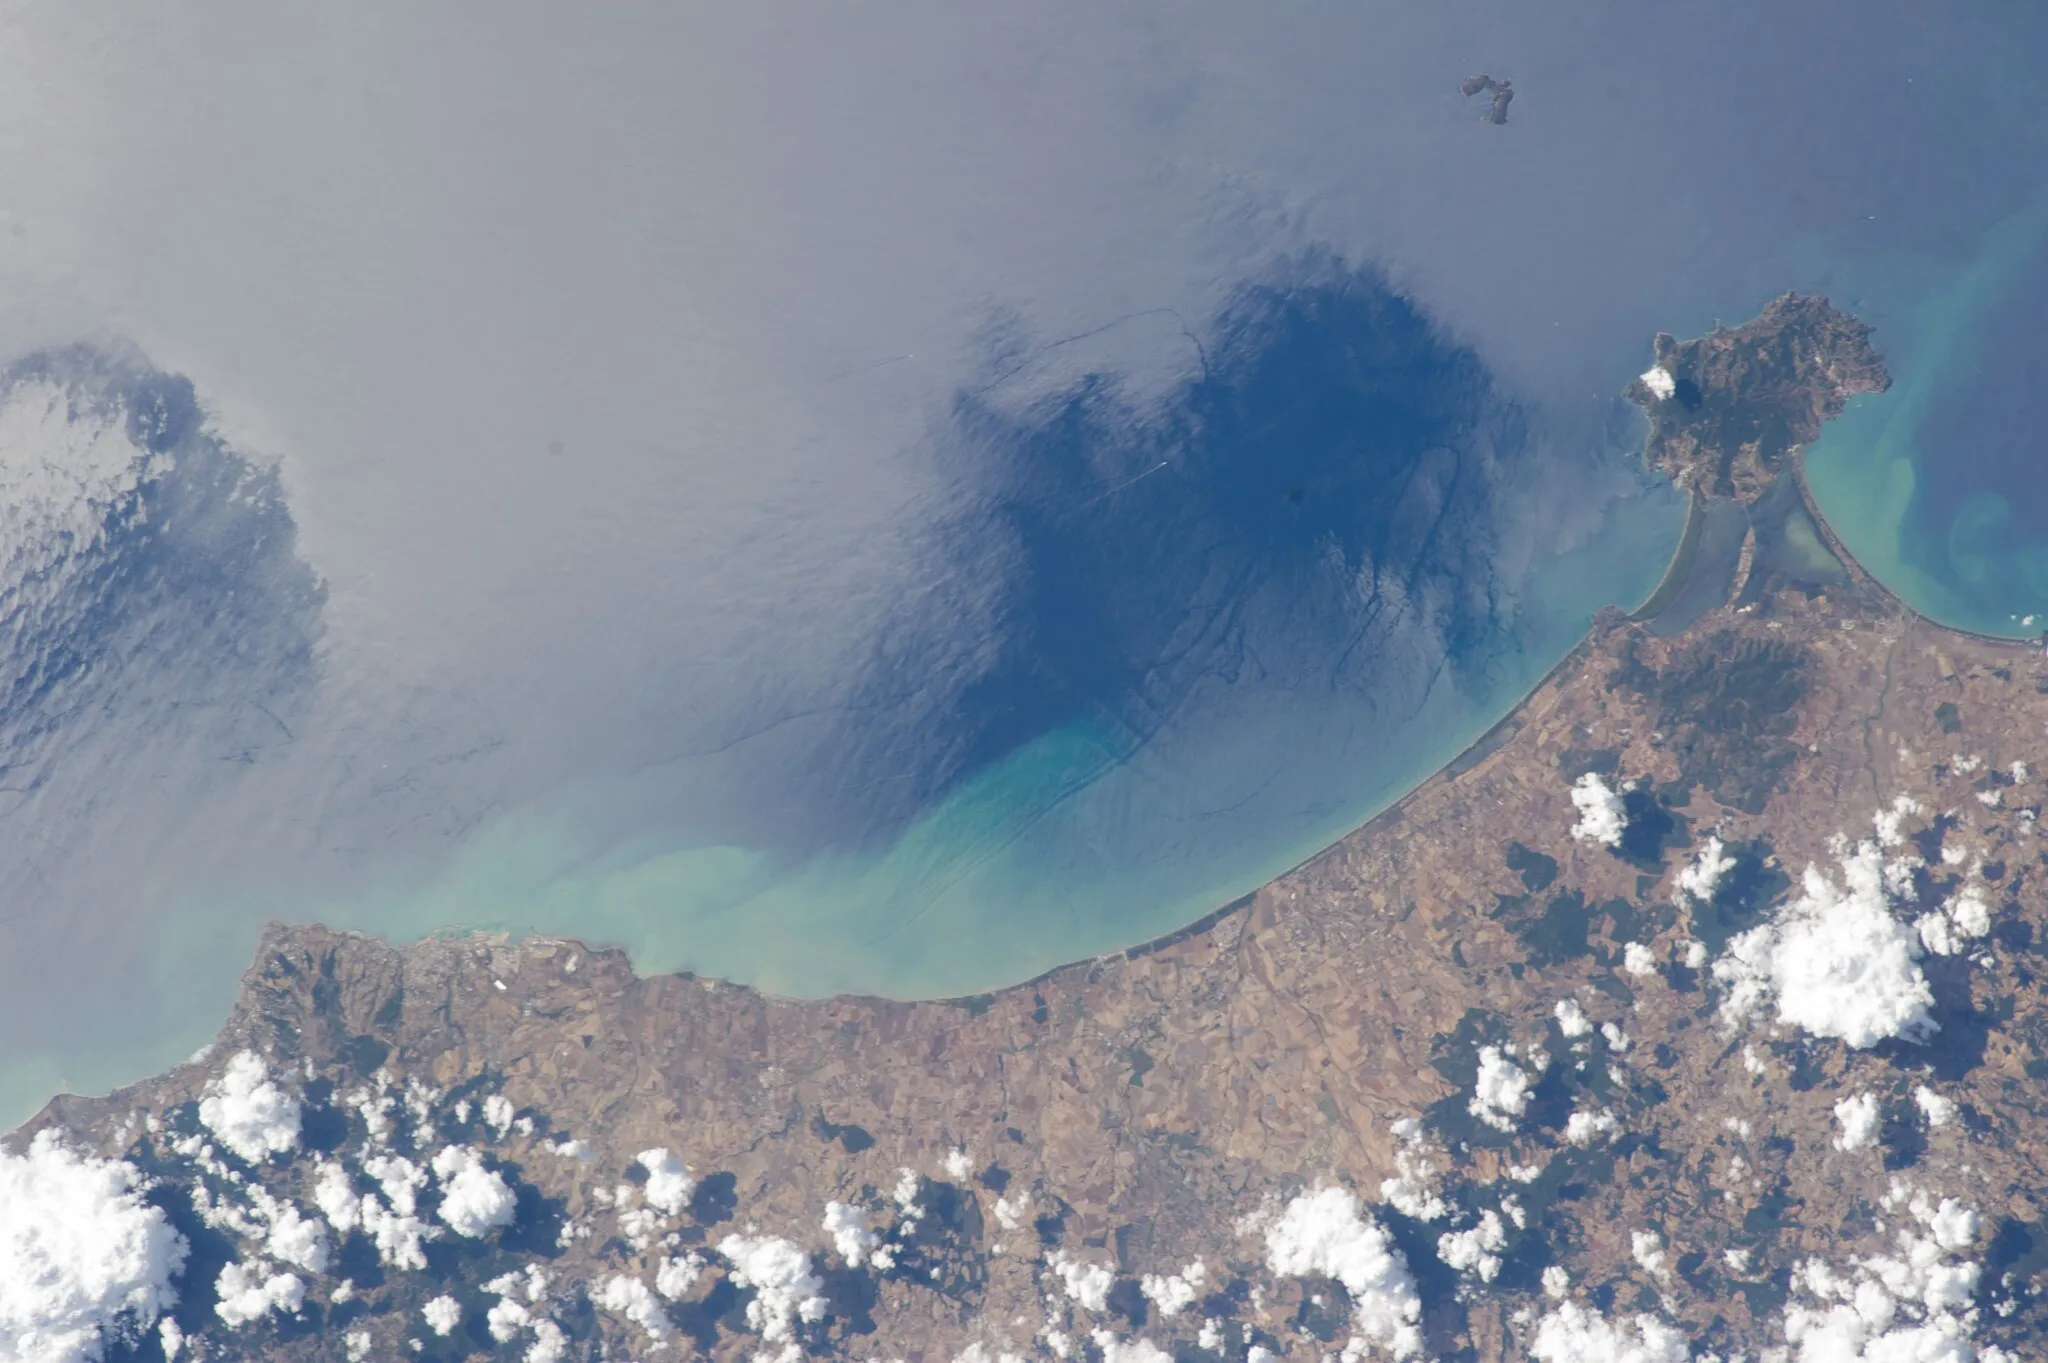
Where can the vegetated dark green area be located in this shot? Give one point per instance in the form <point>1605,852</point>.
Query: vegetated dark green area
<point>1726,704</point>
<point>1745,891</point>
<point>1536,870</point>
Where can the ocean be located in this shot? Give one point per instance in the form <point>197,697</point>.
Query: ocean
<point>1940,486</point>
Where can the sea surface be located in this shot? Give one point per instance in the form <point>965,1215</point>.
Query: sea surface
<point>1940,486</point>
<point>899,503</point>
<point>1196,640</point>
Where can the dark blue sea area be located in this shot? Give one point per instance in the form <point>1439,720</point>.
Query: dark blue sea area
<point>161,637</point>
<point>1310,518</point>
<point>168,602</point>
<point>1169,628</point>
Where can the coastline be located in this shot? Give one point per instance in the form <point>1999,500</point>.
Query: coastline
<point>1467,759</point>
<point>1132,1107</point>
<point>1868,581</point>
<point>1141,1102</point>
<point>1680,567</point>
<point>1511,723</point>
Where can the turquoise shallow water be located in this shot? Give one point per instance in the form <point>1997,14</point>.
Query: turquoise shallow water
<point>1940,486</point>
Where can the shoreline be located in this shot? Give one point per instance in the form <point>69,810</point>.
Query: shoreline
<point>1869,581</point>
<point>1679,569</point>
<point>1496,736</point>
<point>1503,730</point>
<point>1466,759</point>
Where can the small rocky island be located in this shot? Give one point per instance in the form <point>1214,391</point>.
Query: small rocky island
<point>1502,94</point>
<point>1698,1011</point>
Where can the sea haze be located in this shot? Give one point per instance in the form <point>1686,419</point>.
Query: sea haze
<point>891,499</point>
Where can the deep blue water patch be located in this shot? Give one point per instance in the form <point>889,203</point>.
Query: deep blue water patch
<point>186,610</point>
<point>1311,512</point>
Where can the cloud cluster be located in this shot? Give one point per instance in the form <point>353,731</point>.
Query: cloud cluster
<point>442,1314</point>
<point>785,1288</point>
<point>248,1113</point>
<point>1577,1334</point>
<point>83,1259</point>
<point>1916,1303</point>
<point>1860,1118</point>
<point>1173,1293</point>
<point>1414,1190</point>
<point>1702,876</point>
<point>856,1243</point>
<point>669,1185</point>
<point>1328,1232</point>
<point>246,1293</point>
<point>631,1299</point>
<point>1477,1249</point>
<point>1835,960</point>
<point>1500,1093</point>
<point>475,1200</point>
<point>1086,1284</point>
<point>1950,929</point>
<point>1603,817</point>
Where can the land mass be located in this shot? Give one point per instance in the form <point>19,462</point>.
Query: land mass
<point>1718,960</point>
<point>1502,92</point>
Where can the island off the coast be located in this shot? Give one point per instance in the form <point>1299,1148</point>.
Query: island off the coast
<point>1696,1011</point>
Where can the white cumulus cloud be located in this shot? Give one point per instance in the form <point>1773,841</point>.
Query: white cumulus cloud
<point>83,1259</point>
<point>248,1113</point>
<point>298,1240</point>
<point>1174,1293</point>
<point>1938,1111</point>
<point>442,1314</point>
<point>1702,876</point>
<point>848,1227</point>
<point>1835,960</point>
<point>1914,1304</point>
<point>1603,818</point>
<point>630,1298</point>
<point>474,1200</point>
<point>785,1288</point>
<point>249,1294</point>
<point>1086,1284</point>
<point>1576,1334</point>
<point>669,1185</point>
<point>1476,1249</point>
<point>1860,1118</point>
<point>1328,1232</point>
<point>1501,1091</point>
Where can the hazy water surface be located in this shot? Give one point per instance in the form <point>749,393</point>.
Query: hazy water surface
<point>888,500</point>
